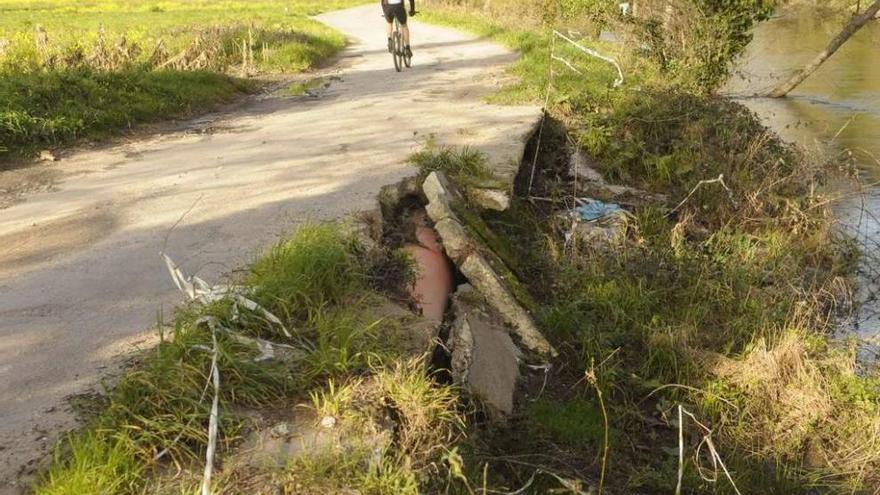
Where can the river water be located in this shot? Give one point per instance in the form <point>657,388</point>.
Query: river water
<point>836,110</point>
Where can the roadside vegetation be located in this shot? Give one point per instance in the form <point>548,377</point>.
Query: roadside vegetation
<point>721,301</point>
<point>73,70</point>
<point>343,360</point>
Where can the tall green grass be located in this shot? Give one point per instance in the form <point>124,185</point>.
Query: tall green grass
<point>44,109</point>
<point>74,70</point>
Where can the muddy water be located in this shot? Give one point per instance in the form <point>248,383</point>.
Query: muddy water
<point>837,110</point>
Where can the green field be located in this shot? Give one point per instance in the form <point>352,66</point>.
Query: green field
<point>72,69</point>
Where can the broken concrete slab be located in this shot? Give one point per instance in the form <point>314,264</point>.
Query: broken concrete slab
<point>485,360</point>
<point>504,154</point>
<point>456,241</point>
<point>414,335</point>
<point>441,195</point>
<point>481,275</point>
<point>472,259</point>
<point>391,194</point>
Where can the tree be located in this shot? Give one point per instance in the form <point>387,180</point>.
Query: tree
<point>851,28</point>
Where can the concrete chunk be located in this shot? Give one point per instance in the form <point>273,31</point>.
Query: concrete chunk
<point>480,274</point>
<point>485,359</point>
<point>490,199</point>
<point>455,239</point>
<point>441,194</point>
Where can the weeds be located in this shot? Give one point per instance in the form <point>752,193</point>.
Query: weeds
<point>369,461</point>
<point>156,415</point>
<point>720,300</point>
<point>466,166</point>
<point>313,269</point>
<point>94,465</point>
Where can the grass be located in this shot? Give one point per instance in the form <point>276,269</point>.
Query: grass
<point>576,422</point>
<point>465,166</point>
<point>317,281</point>
<point>44,109</point>
<point>94,465</point>
<point>725,304</point>
<point>87,70</point>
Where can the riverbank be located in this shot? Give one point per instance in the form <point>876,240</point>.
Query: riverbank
<point>722,300</point>
<point>71,72</point>
<point>836,114</point>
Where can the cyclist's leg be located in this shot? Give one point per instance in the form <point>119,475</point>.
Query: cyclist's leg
<point>404,25</point>
<point>389,27</point>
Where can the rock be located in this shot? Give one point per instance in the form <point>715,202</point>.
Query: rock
<point>485,359</point>
<point>480,274</point>
<point>281,430</point>
<point>489,199</point>
<point>328,422</point>
<point>48,156</point>
<point>814,457</point>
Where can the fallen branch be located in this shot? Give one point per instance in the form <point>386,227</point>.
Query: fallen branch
<point>850,29</point>
<point>719,180</point>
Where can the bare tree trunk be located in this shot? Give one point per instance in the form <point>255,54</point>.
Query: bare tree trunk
<point>854,25</point>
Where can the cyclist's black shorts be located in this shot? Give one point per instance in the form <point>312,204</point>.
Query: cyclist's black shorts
<point>394,10</point>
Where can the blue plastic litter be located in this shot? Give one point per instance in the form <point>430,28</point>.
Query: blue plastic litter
<point>596,210</point>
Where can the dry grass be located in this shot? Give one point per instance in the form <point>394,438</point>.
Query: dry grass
<point>800,406</point>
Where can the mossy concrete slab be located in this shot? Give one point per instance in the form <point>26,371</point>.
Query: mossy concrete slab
<point>477,262</point>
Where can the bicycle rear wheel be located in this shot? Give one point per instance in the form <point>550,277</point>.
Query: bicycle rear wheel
<point>398,48</point>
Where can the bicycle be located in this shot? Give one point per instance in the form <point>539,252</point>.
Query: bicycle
<point>398,52</point>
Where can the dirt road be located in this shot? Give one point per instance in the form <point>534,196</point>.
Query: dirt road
<point>81,280</point>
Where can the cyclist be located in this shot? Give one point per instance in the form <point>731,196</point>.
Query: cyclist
<point>395,8</point>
